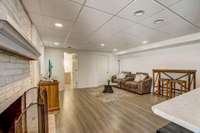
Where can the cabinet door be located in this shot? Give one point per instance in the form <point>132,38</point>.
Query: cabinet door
<point>48,89</point>
<point>53,97</point>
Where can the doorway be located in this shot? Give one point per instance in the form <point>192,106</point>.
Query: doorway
<point>70,70</point>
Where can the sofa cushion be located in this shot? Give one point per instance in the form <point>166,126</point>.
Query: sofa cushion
<point>140,77</point>
<point>131,84</point>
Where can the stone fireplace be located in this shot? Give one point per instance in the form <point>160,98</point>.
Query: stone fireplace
<point>16,72</point>
<point>17,76</point>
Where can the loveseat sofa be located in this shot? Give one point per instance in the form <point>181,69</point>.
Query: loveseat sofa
<point>139,83</point>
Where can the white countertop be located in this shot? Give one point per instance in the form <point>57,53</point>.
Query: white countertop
<point>183,110</point>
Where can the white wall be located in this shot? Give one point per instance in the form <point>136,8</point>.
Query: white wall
<point>57,58</point>
<point>88,66</point>
<point>92,68</point>
<point>184,57</point>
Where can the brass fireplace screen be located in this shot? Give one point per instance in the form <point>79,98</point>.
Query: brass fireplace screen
<point>28,114</point>
<point>34,116</point>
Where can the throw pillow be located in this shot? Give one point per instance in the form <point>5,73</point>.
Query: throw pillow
<point>140,77</point>
<point>121,76</point>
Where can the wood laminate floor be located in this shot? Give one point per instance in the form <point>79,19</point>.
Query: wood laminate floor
<point>83,113</point>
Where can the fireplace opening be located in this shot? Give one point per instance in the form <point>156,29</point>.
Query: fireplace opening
<point>8,117</point>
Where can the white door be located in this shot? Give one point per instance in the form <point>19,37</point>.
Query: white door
<point>102,69</point>
<point>74,70</point>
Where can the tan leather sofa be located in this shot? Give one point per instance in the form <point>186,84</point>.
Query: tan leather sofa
<point>139,83</point>
<point>117,80</point>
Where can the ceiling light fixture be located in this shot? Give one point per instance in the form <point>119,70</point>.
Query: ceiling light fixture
<point>58,25</point>
<point>139,13</point>
<point>115,50</point>
<point>102,45</point>
<point>158,21</point>
<point>145,42</point>
<point>56,43</point>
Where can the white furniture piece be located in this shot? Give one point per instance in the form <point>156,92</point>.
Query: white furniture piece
<point>183,110</point>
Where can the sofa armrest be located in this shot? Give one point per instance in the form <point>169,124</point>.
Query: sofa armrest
<point>113,78</point>
<point>145,86</point>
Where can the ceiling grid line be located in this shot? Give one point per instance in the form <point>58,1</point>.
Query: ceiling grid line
<point>93,8</point>
<point>169,9</point>
<point>112,22</point>
<point>143,25</point>
<point>74,22</point>
<point>112,17</point>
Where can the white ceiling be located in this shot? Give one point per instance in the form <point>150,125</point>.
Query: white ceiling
<point>112,22</point>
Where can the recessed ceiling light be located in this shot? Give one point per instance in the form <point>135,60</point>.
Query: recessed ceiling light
<point>139,13</point>
<point>102,45</point>
<point>145,42</point>
<point>158,21</point>
<point>56,43</point>
<point>58,25</point>
<point>115,50</point>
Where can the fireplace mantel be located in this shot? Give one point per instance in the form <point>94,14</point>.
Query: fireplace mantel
<point>12,41</point>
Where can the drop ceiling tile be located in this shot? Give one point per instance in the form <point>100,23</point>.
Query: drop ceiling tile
<point>97,40</point>
<point>48,22</point>
<point>81,45</point>
<point>172,24</point>
<point>52,35</point>
<point>66,10</point>
<point>140,30</point>
<point>148,6</point>
<point>32,5</point>
<point>112,27</point>
<point>100,37</point>
<point>79,36</point>
<point>89,21</point>
<point>85,28</point>
<point>190,9</point>
<point>168,17</point>
<point>36,19</point>
<point>179,28</point>
<point>116,25</point>
<point>79,1</point>
<point>51,44</point>
<point>76,43</point>
<point>169,2</point>
<point>76,1</point>
<point>110,6</point>
<point>141,33</point>
<point>93,17</point>
<point>124,37</point>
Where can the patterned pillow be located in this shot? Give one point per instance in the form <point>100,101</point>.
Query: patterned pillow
<point>121,76</point>
<point>140,77</point>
